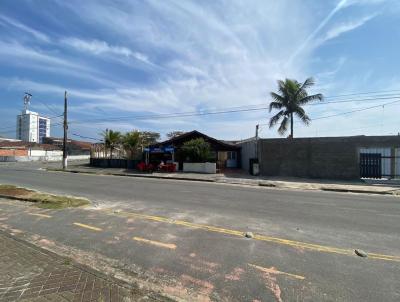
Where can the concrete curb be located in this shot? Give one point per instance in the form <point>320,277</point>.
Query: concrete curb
<point>356,191</point>
<point>259,184</point>
<point>132,175</point>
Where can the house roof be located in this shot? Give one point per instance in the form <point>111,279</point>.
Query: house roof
<point>81,144</point>
<point>59,141</point>
<point>179,140</point>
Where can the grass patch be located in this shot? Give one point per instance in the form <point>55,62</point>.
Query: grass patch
<point>42,200</point>
<point>13,190</point>
<point>67,262</point>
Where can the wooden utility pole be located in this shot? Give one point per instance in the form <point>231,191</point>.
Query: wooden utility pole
<point>65,164</point>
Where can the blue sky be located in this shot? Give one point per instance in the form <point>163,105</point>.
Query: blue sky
<point>121,59</point>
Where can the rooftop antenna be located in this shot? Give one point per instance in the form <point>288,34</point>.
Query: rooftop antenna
<point>27,100</point>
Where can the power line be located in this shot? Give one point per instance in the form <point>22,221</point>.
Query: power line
<point>254,107</point>
<point>86,137</point>
<point>196,113</point>
<point>356,110</point>
<point>363,93</point>
<point>245,109</point>
<point>349,112</point>
<point>167,115</point>
<point>48,107</point>
<point>355,100</point>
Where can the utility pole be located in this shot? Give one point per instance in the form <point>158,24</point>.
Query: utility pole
<point>256,141</point>
<point>65,133</point>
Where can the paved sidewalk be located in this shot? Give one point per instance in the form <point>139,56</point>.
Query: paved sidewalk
<point>368,186</point>
<point>29,273</point>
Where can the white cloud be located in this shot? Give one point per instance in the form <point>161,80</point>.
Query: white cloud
<point>315,32</point>
<point>367,2</point>
<point>37,34</point>
<point>101,47</point>
<point>215,56</point>
<point>28,57</point>
<point>218,55</point>
<point>345,27</point>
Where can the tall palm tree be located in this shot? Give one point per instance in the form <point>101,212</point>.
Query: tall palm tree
<point>111,140</point>
<point>289,99</point>
<point>131,141</point>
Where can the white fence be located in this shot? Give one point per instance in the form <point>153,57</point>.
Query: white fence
<point>209,168</point>
<point>46,158</point>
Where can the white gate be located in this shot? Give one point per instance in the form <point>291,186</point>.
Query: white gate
<point>386,158</point>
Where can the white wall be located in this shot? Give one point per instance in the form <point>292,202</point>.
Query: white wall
<point>45,153</point>
<point>52,158</point>
<point>209,168</point>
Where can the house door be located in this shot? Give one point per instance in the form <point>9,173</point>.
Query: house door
<point>231,161</point>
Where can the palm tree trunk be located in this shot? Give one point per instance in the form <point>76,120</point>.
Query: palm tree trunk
<point>291,125</point>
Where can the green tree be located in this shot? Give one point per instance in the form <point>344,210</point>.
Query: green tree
<point>131,142</point>
<point>174,134</point>
<point>111,140</point>
<point>149,138</point>
<point>198,150</point>
<point>289,99</point>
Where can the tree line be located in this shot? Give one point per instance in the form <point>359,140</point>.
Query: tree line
<point>132,142</point>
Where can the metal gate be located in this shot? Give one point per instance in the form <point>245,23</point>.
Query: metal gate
<point>370,165</point>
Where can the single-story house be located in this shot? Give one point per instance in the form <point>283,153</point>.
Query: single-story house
<point>74,147</point>
<point>225,154</point>
<point>27,151</point>
<point>350,157</point>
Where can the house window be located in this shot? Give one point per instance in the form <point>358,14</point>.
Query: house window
<point>231,155</point>
<point>42,129</point>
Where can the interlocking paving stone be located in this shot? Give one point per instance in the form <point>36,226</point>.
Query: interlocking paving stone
<point>28,274</point>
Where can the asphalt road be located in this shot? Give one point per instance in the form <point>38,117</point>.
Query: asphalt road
<point>186,236</point>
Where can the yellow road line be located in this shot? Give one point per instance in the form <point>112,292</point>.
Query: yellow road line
<point>40,215</point>
<point>274,271</point>
<point>156,243</point>
<point>282,241</point>
<point>87,226</point>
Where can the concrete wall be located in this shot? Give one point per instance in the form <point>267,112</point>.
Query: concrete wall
<point>50,153</point>
<point>331,157</point>
<point>209,168</point>
<point>13,152</point>
<point>52,158</point>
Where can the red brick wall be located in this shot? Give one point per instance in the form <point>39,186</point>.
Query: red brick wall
<point>13,152</point>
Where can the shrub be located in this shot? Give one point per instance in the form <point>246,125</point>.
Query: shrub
<point>197,150</point>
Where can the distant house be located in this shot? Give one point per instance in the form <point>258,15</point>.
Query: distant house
<point>74,147</point>
<point>27,151</point>
<point>226,154</point>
